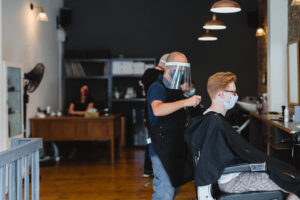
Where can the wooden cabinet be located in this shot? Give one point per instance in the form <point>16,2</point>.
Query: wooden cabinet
<point>79,129</point>
<point>271,135</point>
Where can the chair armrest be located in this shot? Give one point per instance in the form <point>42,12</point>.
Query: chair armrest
<point>204,192</point>
<point>245,167</point>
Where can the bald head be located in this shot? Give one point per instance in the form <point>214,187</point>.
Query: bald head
<point>177,57</point>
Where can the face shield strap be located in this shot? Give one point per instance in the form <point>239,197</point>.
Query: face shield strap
<point>177,64</point>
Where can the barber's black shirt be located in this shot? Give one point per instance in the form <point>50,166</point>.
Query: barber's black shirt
<point>78,106</point>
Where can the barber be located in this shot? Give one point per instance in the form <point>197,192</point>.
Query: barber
<point>167,123</point>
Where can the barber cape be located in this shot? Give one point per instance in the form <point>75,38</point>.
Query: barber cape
<point>221,146</point>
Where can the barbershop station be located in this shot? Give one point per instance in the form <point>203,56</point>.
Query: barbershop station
<point>150,100</point>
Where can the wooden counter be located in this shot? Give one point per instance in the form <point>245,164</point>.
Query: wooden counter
<point>65,128</point>
<point>272,132</point>
<point>287,128</point>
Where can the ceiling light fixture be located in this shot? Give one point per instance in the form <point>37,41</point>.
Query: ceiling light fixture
<point>225,6</point>
<point>214,24</point>
<point>207,37</point>
<point>260,32</point>
<point>42,16</point>
<point>295,3</point>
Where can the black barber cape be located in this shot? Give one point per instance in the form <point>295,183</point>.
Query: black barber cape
<point>221,146</point>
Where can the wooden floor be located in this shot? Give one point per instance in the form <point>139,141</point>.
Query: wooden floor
<point>98,179</point>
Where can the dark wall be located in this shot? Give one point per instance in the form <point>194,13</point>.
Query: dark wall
<point>138,28</point>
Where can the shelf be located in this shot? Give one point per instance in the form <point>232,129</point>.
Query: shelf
<point>135,59</point>
<point>88,77</point>
<point>87,60</point>
<point>14,113</point>
<point>129,100</point>
<point>14,91</point>
<point>128,76</point>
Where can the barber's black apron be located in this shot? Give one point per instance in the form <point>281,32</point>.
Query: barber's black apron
<point>167,136</point>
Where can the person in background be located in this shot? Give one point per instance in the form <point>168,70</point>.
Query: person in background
<point>216,145</point>
<point>166,115</point>
<point>149,77</point>
<point>82,105</point>
<point>79,107</point>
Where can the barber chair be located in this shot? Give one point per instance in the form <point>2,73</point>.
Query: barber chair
<point>211,192</point>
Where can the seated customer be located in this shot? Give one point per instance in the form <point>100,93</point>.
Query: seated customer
<point>221,146</point>
<point>82,105</point>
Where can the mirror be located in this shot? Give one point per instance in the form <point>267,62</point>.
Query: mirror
<point>293,73</point>
<point>14,101</point>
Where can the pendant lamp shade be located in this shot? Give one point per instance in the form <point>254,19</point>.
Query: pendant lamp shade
<point>214,24</point>
<point>42,16</point>
<point>295,3</point>
<point>207,37</point>
<point>260,32</point>
<point>225,6</point>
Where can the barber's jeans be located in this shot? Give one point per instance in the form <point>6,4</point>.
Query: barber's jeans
<point>162,187</point>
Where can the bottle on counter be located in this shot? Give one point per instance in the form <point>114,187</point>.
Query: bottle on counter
<point>286,114</point>
<point>283,109</point>
<point>259,105</point>
<point>264,104</point>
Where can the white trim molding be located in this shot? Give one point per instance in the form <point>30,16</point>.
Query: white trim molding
<point>3,107</point>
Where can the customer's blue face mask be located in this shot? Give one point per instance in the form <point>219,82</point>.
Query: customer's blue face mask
<point>191,92</point>
<point>231,103</point>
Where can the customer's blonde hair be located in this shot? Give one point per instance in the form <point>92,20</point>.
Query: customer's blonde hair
<point>219,81</point>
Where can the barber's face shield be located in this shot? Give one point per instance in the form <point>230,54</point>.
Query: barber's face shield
<point>177,75</point>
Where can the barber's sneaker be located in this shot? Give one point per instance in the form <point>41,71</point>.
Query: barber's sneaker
<point>148,173</point>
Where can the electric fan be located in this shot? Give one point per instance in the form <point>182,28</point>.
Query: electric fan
<point>32,80</point>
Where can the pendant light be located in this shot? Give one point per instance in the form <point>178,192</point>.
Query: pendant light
<point>295,3</point>
<point>260,32</point>
<point>214,24</point>
<point>225,6</point>
<point>207,37</point>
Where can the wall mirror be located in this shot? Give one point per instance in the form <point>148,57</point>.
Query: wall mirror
<point>14,101</point>
<point>293,73</point>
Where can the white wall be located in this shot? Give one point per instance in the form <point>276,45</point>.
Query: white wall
<point>277,53</point>
<point>26,42</point>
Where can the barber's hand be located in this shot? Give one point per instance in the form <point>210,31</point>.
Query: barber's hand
<point>192,101</point>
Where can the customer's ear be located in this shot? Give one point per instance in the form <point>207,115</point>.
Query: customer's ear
<point>221,94</point>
